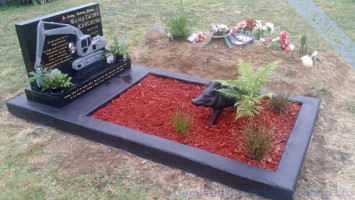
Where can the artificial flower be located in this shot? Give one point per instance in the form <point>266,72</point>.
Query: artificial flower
<point>260,29</point>
<point>292,47</point>
<point>271,26</point>
<point>241,25</point>
<point>250,24</point>
<point>54,71</point>
<point>267,40</point>
<point>314,54</point>
<point>307,61</point>
<point>218,28</point>
<point>258,25</point>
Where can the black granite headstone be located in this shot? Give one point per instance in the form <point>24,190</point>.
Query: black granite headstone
<point>71,41</point>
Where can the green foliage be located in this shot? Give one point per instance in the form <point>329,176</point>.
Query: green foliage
<point>181,122</point>
<point>51,80</point>
<point>257,141</point>
<point>275,44</point>
<point>179,24</point>
<point>351,106</point>
<point>118,47</point>
<point>280,102</point>
<point>249,84</point>
<point>303,49</point>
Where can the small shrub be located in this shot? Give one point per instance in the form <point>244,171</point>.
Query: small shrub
<point>280,102</point>
<point>257,141</point>
<point>179,24</point>
<point>181,122</point>
<point>304,49</point>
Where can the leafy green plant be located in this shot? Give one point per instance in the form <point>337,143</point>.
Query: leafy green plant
<point>181,122</point>
<point>275,44</point>
<point>118,47</point>
<point>280,102</point>
<point>304,49</point>
<point>249,84</point>
<point>179,24</point>
<point>53,79</point>
<point>257,141</point>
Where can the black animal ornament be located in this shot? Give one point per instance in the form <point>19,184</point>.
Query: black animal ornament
<point>210,97</point>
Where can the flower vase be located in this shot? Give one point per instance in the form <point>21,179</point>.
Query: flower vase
<point>118,58</point>
<point>56,92</point>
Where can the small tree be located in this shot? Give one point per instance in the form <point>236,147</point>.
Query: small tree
<point>179,24</point>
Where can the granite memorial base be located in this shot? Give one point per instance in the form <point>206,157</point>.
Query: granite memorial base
<point>74,118</point>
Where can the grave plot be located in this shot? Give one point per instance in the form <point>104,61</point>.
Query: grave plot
<point>70,55</point>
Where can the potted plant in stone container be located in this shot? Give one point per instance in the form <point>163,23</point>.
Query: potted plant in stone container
<point>118,49</point>
<point>54,81</point>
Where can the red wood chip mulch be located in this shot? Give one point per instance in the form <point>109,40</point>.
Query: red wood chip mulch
<point>149,105</point>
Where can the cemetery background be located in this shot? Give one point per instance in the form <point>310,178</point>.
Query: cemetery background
<point>38,162</point>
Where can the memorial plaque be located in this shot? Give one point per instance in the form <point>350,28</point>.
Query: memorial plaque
<point>60,34</point>
<point>71,41</point>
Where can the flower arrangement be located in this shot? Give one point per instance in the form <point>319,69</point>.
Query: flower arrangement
<point>259,29</point>
<point>219,28</point>
<point>284,42</point>
<point>53,79</point>
<point>195,37</point>
<point>245,27</point>
<point>281,42</point>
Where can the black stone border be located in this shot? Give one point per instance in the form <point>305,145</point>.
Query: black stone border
<point>73,118</point>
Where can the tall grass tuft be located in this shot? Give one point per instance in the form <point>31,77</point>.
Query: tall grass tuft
<point>280,102</point>
<point>181,122</point>
<point>257,141</point>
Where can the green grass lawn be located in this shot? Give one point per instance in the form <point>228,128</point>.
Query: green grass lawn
<point>21,178</point>
<point>134,18</point>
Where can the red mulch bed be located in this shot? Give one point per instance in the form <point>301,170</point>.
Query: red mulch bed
<point>148,107</point>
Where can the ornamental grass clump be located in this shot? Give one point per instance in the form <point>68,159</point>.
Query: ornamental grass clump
<point>181,122</point>
<point>249,84</point>
<point>257,141</point>
<point>280,102</point>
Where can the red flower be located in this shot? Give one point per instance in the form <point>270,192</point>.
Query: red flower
<point>235,29</point>
<point>284,34</point>
<point>251,23</point>
<point>267,40</point>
